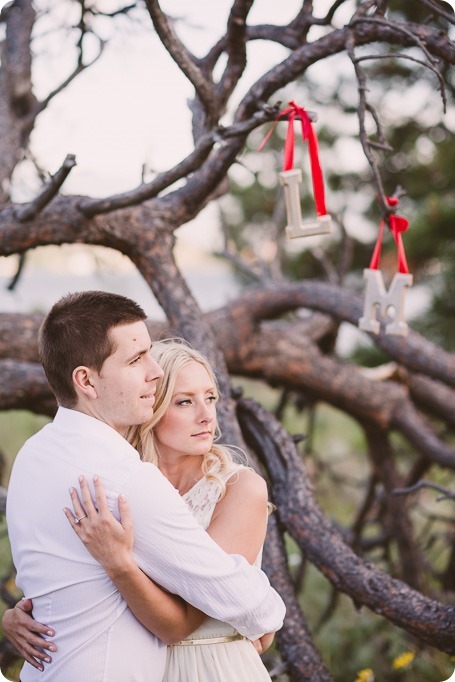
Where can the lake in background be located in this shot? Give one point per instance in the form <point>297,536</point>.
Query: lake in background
<point>52,272</point>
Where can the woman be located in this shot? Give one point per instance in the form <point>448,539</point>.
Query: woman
<point>227,498</point>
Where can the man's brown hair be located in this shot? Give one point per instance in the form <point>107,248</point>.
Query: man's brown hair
<point>76,332</point>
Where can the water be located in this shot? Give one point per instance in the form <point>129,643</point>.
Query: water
<point>38,291</point>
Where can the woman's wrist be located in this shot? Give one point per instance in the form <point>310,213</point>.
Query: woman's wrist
<point>119,568</point>
<point>8,622</point>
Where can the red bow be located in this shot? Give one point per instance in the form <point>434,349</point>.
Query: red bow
<point>295,112</point>
<point>397,225</point>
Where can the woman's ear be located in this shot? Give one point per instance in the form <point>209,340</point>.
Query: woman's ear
<point>83,382</point>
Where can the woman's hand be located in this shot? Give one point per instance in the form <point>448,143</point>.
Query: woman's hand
<point>262,644</point>
<point>166,615</point>
<point>109,541</point>
<point>27,635</point>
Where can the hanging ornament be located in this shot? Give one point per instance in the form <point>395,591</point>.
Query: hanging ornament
<point>377,298</point>
<point>291,177</point>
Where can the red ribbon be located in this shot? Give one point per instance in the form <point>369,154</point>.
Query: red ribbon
<point>295,112</point>
<point>397,225</point>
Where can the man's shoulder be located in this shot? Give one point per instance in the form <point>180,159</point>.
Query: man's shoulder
<point>85,446</point>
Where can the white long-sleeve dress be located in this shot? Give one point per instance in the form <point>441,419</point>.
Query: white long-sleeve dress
<point>215,652</point>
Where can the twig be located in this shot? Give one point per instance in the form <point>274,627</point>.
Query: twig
<point>20,268</point>
<point>401,55</point>
<point>90,207</point>
<point>367,144</point>
<point>385,146</point>
<point>437,9</point>
<point>326,264</point>
<point>394,26</point>
<point>415,39</point>
<point>257,274</point>
<point>114,13</point>
<point>446,493</point>
<point>362,107</point>
<point>235,49</point>
<point>32,209</point>
<point>40,106</point>
<point>329,609</point>
<point>330,14</point>
<point>363,511</point>
<point>416,429</point>
<point>204,145</point>
<point>184,59</point>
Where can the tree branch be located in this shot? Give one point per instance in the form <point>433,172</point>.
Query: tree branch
<point>414,351</point>
<point>31,210</point>
<point>235,47</point>
<point>192,162</point>
<point>364,32</point>
<point>37,397</point>
<point>446,493</point>
<point>429,621</point>
<point>436,8</point>
<point>396,517</point>
<point>432,60</point>
<point>184,60</point>
<point>18,62</point>
<point>43,104</point>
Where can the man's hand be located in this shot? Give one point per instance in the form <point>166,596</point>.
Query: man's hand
<point>27,635</point>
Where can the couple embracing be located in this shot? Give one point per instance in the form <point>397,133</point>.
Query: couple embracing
<point>163,543</point>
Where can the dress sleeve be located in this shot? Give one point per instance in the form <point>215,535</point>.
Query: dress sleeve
<point>172,548</point>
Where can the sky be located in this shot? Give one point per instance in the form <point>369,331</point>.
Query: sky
<point>134,100</point>
<point>129,108</point>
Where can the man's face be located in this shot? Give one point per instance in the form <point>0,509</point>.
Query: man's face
<point>126,384</point>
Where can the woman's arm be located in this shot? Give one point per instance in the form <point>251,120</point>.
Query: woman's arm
<point>110,542</point>
<point>239,522</point>
<point>238,525</point>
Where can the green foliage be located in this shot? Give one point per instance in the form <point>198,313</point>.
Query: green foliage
<point>15,427</point>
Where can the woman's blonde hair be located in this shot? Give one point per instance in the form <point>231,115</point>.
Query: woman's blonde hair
<point>173,355</point>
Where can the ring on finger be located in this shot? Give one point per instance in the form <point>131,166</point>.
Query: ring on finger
<point>80,518</point>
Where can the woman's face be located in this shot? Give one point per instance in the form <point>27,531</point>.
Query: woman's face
<point>188,426</point>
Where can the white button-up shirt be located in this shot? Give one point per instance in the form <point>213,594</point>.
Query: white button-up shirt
<point>98,638</point>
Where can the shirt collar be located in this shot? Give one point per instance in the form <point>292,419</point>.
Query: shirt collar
<point>74,420</point>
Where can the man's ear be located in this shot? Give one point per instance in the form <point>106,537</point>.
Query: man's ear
<point>83,382</point>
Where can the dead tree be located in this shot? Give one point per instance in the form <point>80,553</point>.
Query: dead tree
<point>261,333</point>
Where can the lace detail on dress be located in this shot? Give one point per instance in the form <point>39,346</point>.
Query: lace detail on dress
<point>204,495</point>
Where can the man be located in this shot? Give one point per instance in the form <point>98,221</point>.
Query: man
<point>94,347</point>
